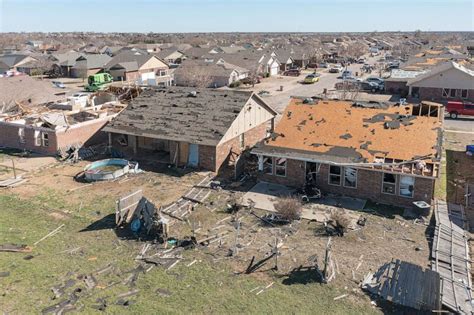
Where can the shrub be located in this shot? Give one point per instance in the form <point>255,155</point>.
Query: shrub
<point>289,208</point>
<point>340,220</point>
<point>267,74</point>
<point>235,84</point>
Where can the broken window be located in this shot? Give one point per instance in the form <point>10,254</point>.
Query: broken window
<point>312,170</point>
<point>21,135</point>
<point>268,165</point>
<point>335,175</point>
<point>407,186</point>
<point>464,94</point>
<point>37,138</point>
<point>389,183</point>
<point>280,167</point>
<point>350,177</point>
<point>44,139</point>
<point>449,92</point>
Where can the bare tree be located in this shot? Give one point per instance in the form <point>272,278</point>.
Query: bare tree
<point>195,76</point>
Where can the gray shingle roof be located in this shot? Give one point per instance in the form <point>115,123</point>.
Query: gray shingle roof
<point>173,114</point>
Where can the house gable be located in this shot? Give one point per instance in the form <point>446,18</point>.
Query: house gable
<point>452,78</point>
<point>153,63</point>
<point>253,114</point>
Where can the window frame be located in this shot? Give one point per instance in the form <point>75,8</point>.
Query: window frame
<point>400,186</point>
<point>356,178</point>
<point>21,135</point>
<point>334,174</point>
<point>389,183</point>
<point>467,94</point>
<point>269,158</point>
<point>280,166</point>
<point>44,139</point>
<point>451,92</point>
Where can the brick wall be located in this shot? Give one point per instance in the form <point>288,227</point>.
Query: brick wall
<point>207,157</point>
<point>251,137</point>
<point>369,184</point>
<point>86,133</point>
<point>436,94</point>
<point>396,87</point>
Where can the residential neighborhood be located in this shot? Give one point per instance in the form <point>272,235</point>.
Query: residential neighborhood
<point>178,157</point>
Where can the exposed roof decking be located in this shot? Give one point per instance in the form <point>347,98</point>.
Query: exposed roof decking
<point>337,131</point>
<point>173,114</point>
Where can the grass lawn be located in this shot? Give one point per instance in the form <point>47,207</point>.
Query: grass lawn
<point>204,287</point>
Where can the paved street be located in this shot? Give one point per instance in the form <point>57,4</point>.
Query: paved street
<point>293,87</point>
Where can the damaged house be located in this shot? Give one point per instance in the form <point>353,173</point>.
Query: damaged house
<point>185,126</point>
<point>32,119</point>
<point>377,151</point>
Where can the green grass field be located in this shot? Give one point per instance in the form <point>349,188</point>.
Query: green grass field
<point>204,287</point>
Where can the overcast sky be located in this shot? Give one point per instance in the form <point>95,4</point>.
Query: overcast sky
<point>236,15</point>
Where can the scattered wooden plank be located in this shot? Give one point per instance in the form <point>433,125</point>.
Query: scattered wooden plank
<point>55,231</point>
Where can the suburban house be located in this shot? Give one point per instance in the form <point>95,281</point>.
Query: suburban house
<point>397,82</point>
<point>203,73</point>
<point>63,63</point>
<point>87,65</point>
<point>142,69</point>
<point>287,61</point>
<point>171,55</point>
<point>378,151</point>
<point>14,61</point>
<point>36,121</point>
<point>202,128</point>
<point>445,82</point>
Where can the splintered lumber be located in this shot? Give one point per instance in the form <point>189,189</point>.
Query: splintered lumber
<point>252,268</point>
<point>340,297</point>
<point>15,248</point>
<point>53,232</point>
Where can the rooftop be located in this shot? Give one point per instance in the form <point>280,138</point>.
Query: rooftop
<point>200,116</point>
<point>348,132</point>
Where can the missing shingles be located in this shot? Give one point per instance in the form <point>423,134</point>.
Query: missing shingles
<point>346,136</point>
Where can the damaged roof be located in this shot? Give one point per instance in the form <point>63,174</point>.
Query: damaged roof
<point>199,116</point>
<point>348,132</point>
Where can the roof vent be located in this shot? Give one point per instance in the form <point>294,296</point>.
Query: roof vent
<point>192,94</point>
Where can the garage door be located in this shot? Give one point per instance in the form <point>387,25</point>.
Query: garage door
<point>274,69</point>
<point>148,75</point>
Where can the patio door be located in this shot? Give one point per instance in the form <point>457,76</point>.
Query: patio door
<point>193,157</point>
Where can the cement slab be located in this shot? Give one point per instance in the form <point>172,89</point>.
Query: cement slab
<point>265,194</point>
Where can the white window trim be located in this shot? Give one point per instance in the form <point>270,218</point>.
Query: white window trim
<point>44,140</point>
<point>271,159</point>
<point>276,166</point>
<point>412,193</point>
<point>340,176</point>
<point>356,176</point>
<point>396,184</point>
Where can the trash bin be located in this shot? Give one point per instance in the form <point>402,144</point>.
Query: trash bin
<point>357,73</point>
<point>281,87</point>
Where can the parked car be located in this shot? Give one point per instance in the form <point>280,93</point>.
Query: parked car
<point>459,108</point>
<point>361,60</point>
<point>263,93</point>
<point>323,65</point>
<point>376,80</point>
<point>58,84</point>
<point>335,69</point>
<point>292,72</point>
<point>369,86</point>
<point>311,78</point>
<point>346,74</point>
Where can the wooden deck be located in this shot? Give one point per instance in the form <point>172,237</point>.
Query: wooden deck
<point>450,257</point>
<point>406,284</point>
